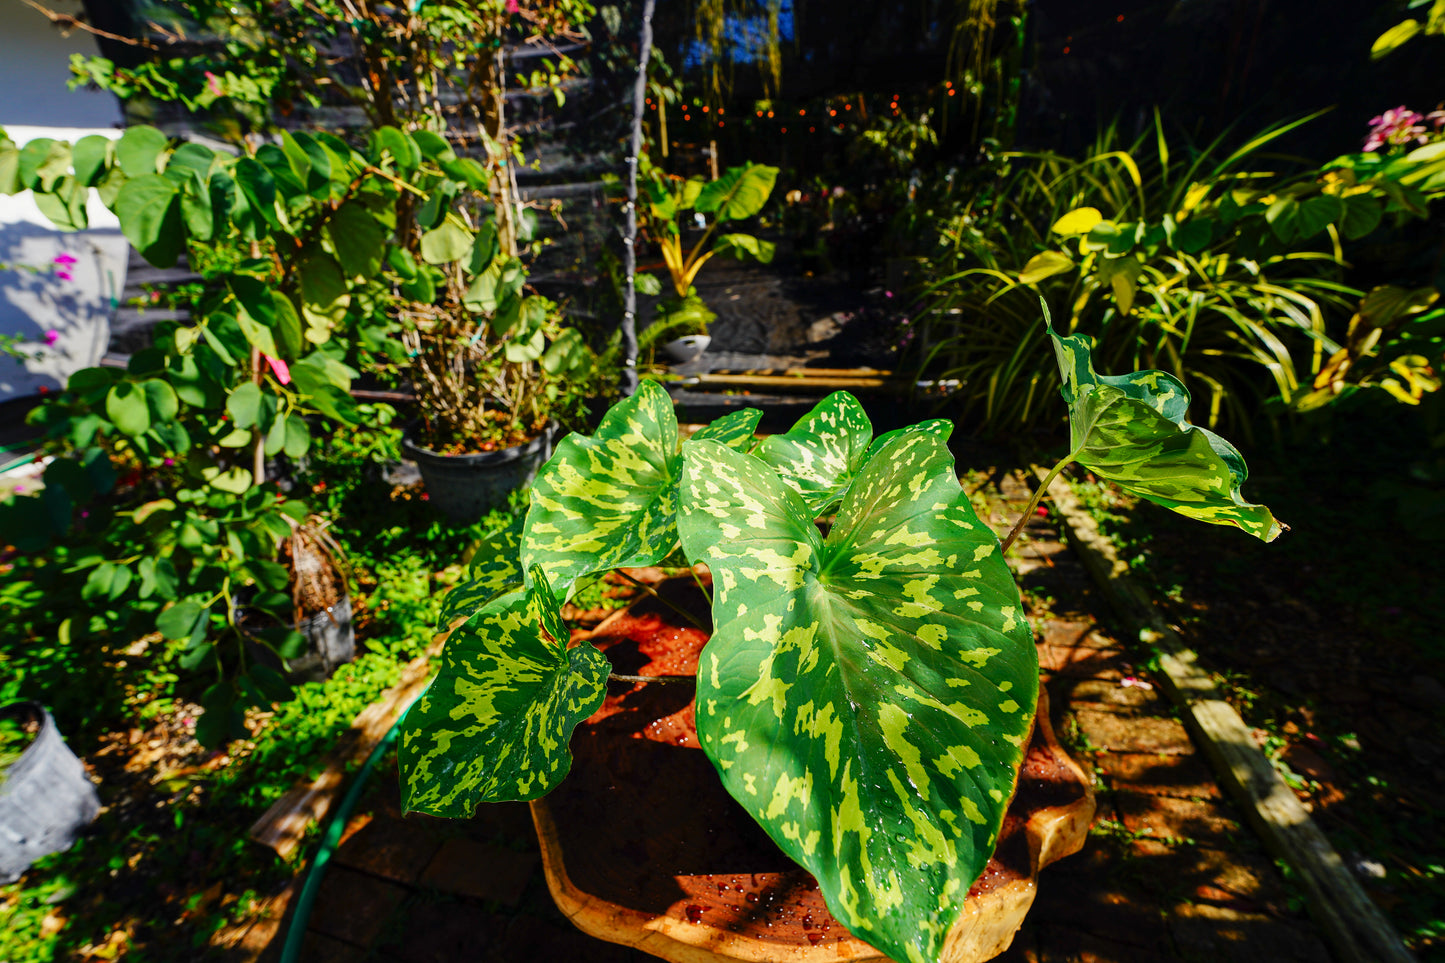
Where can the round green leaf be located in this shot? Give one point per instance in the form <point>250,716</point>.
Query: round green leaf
<point>138,149</point>
<point>150,217</point>
<point>161,400</point>
<point>445,243</point>
<point>866,697</point>
<point>126,406</point>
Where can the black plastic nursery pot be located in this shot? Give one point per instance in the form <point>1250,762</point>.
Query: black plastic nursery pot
<point>330,643</point>
<point>466,487</point>
<point>45,796</point>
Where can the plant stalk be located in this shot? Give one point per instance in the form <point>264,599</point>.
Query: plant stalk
<point>1034,501</point>
<point>653,592</point>
<point>620,677</point>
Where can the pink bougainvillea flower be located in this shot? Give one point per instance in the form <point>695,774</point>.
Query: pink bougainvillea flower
<point>279,369</point>
<point>51,337</point>
<point>167,462</point>
<point>65,260</point>
<point>213,83</point>
<point>1395,128</point>
<point>513,6</point>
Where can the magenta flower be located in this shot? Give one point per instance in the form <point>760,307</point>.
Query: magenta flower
<point>167,462</point>
<point>64,263</point>
<point>65,260</point>
<point>513,6</point>
<point>1395,128</point>
<point>213,84</point>
<point>51,337</point>
<point>279,369</point>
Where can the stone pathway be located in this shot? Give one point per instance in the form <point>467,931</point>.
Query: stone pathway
<point>1169,872</point>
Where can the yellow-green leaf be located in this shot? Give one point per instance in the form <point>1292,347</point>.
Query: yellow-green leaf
<point>1080,220</point>
<point>1045,265</point>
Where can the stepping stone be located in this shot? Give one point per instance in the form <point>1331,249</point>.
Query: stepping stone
<point>480,870</point>
<point>353,906</point>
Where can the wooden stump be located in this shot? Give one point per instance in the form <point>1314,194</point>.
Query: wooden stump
<point>643,846</point>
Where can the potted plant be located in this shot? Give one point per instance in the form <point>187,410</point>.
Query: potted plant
<point>867,694</point>
<point>45,795</point>
<point>682,319</point>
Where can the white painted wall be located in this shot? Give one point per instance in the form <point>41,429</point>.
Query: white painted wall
<point>35,102</point>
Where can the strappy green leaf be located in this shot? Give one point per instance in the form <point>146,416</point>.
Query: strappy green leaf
<point>1131,430</point>
<point>866,697</point>
<point>496,722</point>
<point>496,568</point>
<point>608,500</point>
<point>820,454</point>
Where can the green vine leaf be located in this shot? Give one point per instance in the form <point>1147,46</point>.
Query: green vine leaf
<point>608,500</point>
<point>867,696</point>
<point>496,722</point>
<point>1131,430</point>
<point>820,454</point>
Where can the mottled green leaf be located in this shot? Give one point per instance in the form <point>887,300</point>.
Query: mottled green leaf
<point>496,722</point>
<point>1131,430</point>
<point>734,429</point>
<point>820,454</point>
<point>940,427</point>
<point>496,568</point>
<point>867,696</point>
<point>609,499</point>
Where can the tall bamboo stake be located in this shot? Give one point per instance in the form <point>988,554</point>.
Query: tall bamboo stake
<point>629,240</point>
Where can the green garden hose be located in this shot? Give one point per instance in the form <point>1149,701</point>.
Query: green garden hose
<point>291,951</point>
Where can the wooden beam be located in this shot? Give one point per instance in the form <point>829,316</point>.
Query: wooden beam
<point>1356,929</point>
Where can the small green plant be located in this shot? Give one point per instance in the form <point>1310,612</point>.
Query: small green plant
<point>866,695</point>
<point>738,194</point>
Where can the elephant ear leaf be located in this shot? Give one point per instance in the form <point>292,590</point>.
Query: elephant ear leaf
<point>820,454</point>
<point>496,567</point>
<point>734,429</point>
<point>496,722</point>
<point>608,500</point>
<point>867,696</point>
<point>1131,430</point>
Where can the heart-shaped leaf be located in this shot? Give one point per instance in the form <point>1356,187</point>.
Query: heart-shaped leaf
<point>820,454</point>
<point>734,429</point>
<point>496,567</point>
<point>495,724</point>
<point>740,192</point>
<point>1131,430</point>
<point>866,697</point>
<point>609,499</point>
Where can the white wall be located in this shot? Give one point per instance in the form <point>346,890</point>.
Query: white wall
<point>35,102</point>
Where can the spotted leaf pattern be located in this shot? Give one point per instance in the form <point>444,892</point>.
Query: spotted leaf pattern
<point>608,500</point>
<point>1131,429</point>
<point>820,454</point>
<point>496,567</point>
<point>867,696</point>
<point>496,722</point>
<point>734,429</point>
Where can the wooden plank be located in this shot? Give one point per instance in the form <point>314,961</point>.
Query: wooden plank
<point>1355,927</point>
<point>284,824</point>
<point>785,383</point>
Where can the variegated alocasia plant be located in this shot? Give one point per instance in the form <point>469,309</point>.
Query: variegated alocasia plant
<point>867,694</point>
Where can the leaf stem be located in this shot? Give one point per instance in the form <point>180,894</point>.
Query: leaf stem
<point>620,677</point>
<point>651,591</point>
<point>1034,501</point>
<point>707,592</point>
